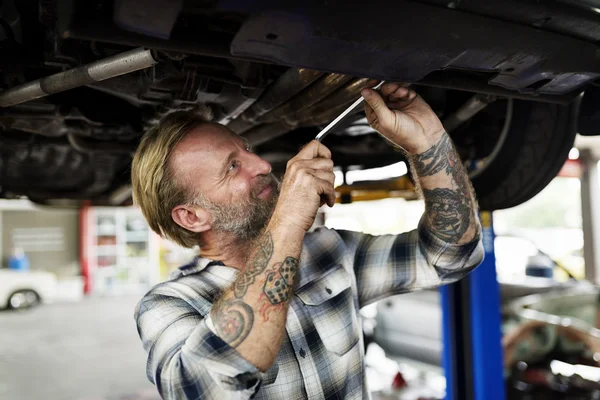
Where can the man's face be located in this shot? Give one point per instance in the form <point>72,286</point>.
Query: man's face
<point>247,217</point>
<point>236,186</point>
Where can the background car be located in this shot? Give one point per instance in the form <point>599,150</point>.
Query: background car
<point>24,289</point>
<point>513,81</point>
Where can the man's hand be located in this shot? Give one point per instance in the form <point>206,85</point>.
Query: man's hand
<point>402,117</point>
<point>307,183</point>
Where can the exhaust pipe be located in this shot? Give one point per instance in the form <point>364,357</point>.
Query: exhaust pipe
<point>292,82</point>
<point>314,107</point>
<point>312,95</point>
<point>100,70</point>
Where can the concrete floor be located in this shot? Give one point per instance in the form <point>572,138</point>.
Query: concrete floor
<point>74,351</point>
<point>90,350</point>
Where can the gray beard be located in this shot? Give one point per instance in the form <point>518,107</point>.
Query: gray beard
<point>246,220</point>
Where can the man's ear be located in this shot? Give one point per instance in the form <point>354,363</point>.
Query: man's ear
<point>192,218</point>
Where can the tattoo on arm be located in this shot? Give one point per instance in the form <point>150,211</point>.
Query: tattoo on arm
<point>278,287</point>
<point>449,210</point>
<point>255,266</point>
<point>435,159</point>
<point>234,318</point>
<point>448,215</point>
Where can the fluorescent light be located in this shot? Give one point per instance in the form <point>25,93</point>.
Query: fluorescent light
<point>339,178</point>
<point>375,174</point>
<point>565,369</point>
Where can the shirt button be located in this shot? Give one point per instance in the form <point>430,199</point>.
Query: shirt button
<point>302,353</point>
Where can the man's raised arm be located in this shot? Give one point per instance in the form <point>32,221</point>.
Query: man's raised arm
<point>404,119</point>
<point>450,205</point>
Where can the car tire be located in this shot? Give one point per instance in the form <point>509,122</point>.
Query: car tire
<point>535,149</point>
<point>23,299</point>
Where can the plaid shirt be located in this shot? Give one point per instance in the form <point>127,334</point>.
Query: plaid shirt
<point>322,355</point>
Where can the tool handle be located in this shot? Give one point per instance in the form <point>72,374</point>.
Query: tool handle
<point>343,115</point>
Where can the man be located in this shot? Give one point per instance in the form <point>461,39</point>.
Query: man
<point>269,311</point>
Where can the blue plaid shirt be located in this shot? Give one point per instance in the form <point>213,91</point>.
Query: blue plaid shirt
<point>322,355</point>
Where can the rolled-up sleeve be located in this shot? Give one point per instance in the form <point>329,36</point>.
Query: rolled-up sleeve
<point>386,265</point>
<point>186,360</point>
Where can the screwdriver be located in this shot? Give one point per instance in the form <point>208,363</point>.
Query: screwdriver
<point>325,131</point>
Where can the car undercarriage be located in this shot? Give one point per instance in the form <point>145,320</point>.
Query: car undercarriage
<point>512,81</point>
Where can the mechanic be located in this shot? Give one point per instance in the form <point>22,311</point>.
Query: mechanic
<point>269,310</point>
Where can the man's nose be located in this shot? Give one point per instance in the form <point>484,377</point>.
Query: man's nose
<point>259,166</point>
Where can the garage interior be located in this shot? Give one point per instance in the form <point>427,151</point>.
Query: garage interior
<point>105,258</point>
<point>515,83</point>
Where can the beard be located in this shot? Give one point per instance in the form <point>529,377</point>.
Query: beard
<point>246,219</point>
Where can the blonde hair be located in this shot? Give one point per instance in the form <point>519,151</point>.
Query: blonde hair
<point>155,189</point>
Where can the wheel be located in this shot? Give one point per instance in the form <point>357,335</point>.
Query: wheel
<point>531,142</point>
<point>23,299</point>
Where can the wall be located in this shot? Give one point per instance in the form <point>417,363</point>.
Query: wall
<point>48,237</point>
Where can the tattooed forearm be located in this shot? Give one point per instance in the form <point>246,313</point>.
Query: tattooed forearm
<point>448,214</point>
<point>450,203</point>
<point>280,282</point>
<point>232,316</point>
<point>255,266</point>
<point>436,159</point>
<point>272,288</point>
<point>233,321</point>
<point>251,314</point>
<point>278,287</point>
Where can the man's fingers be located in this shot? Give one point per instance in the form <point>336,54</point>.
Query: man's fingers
<point>401,99</point>
<point>401,93</point>
<point>331,197</point>
<point>327,176</point>
<point>375,101</point>
<point>323,182</point>
<point>327,191</point>
<point>314,164</point>
<point>371,116</point>
<point>388,88</point>
<point>314,149</point>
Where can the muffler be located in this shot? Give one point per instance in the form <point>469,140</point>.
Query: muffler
<point>100,70</point>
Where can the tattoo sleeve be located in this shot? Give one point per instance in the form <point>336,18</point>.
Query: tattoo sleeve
<point>255,266</point>
<point>261,286</point>
<point>449,199</point>
<point>435,159</point>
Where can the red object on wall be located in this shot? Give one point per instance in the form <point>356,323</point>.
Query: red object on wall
<point>84,231</point>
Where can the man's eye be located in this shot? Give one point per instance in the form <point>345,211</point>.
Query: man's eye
<point>233,166</point>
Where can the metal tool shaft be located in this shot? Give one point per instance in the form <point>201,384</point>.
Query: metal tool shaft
<point>343,115</point>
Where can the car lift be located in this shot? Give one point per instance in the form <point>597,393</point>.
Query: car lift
<point>472,353</point>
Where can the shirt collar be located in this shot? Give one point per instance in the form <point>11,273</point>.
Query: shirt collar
<point>196,265</point>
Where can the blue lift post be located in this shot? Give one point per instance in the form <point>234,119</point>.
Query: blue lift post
<point>472,354</point>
